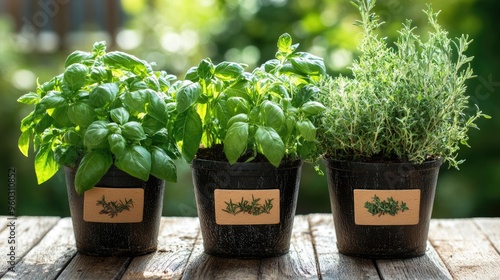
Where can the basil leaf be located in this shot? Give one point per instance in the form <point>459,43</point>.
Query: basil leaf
<point>136,100</point>
<point>237,105</point>
<point>75,75</point>
<point>136,161</point>
<point>307,130</point>
<point>235,142</point>
<point>237,118</point>
<point>272,115</point>
<point>29,98</point>
<point>205,69</point>
<point>312,108</point>
<point>91,169</point>
<point>72,138</point>
<point>116,144</point>
<point>133,131</point>
<point>24,143</point>
<point>45,164</point>
<point>96,134</point>
<point>119,115</point>
<point>227,71</point>
<point>162,166</point>
<point>123,60</point>
<point>188,130</point>
<point>52,99</point>
<point>77,57</point>
<point>60,114</point>
<point>157,108</point>
<point>103,94</point>
<point>187,96</point>
<point>81,114</point>
<point>269,144</point>
<point>308,64</point>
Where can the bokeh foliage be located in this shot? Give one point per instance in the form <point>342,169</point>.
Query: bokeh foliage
<point>176,34</point>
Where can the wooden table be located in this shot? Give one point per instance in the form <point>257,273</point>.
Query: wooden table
<point>457,249</point>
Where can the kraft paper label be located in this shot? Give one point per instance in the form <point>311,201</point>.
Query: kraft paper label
<point>247,207</point>
<point>386,207</point>
<point>113,205</point>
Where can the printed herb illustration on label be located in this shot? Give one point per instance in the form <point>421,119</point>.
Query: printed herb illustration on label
<point>391,206</point>
<point>253,207</point>
<point>112,208</point>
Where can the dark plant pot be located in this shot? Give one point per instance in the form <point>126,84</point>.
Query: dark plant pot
<point>380,234</point>
<point>254,233</point>
<point>109,233</point>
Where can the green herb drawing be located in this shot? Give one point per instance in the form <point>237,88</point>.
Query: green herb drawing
<point>390,206</point>
<point>112,208</point>
<point>245,206</point>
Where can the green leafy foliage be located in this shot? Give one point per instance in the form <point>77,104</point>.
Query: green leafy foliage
<point>251,113</point>
<point>404,103</point>
<point>106,108</point>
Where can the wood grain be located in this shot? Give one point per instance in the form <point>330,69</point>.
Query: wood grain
<point>465,249</point>
<point>84,267</point>
<point>491,228</point>
<point>28,232</point>
<point>49,257</point>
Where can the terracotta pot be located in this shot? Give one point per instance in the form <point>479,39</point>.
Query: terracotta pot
<point>244,232</point>
<point>130,229</point>
<point>382,210</point>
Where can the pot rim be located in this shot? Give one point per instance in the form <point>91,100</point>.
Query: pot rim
<point>347,164</point>
<point>216,165</point>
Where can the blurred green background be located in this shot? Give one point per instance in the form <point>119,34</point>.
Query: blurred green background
<point>36,37</point>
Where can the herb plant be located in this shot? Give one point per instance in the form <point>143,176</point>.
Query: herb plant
<point>391,206</point>
<point>106,108</point>
<point>269,111</point>
<point>249,207</point>
<point>113,208</point>
<point>405,103</point>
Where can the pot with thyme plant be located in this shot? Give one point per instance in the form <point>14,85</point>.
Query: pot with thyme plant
<point>387,130</point>
<point>107,120</point>
<point>255,130</point>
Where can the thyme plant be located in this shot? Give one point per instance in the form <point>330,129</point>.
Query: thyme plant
<point>404,103</point>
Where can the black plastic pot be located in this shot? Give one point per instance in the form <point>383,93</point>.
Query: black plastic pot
<point>246,241</point>
<point>117,239</point>
<point>389,238</point>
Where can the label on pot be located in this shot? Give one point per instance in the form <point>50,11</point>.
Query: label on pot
<point>113,205</point>
<point>386,207</point>
<point>247,207</point>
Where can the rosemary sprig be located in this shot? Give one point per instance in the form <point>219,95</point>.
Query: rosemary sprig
<point>112,208</point>
<point>390,206</point>
<point>250,207</point>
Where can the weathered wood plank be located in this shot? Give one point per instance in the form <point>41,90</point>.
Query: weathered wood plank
<point>175,245</point>
<point>466,251</point>
<point>299,263</point>
<point>490,227</point>
<point>87,267</point>
<point>22,233</point>
<point>49,257</point>
<point>429,266</point>
<point>332,264</point>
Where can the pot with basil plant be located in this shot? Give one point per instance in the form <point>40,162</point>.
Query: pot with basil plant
<point>107,120</point>
<point>386,132</point>
<point>246,136</point>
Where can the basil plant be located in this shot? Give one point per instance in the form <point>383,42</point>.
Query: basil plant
<point>106,108</point>
<point>267,112</point>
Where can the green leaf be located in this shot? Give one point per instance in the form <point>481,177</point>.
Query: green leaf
<point>75,75</point>
<point>136,161</point>
<point>205,69</point>
<point>157,108</point>
<point>126,61</point>
<point>227,71</point>
<point>119,115</point>
<point>187,96</point>
<point>308,64</point>
<point>45,164</point>
<point>99,48</point>
<point>116,144</point>
<point>29,98</point>
<point>133,131</point>
<point>238,118</point>
<point>24,142</point>
<point>60,114</point>
<point>284,43</point>
<point>96,134</point>
<point>136,100</point>
<point>272,115</point>
<point>91,169</point>
<point>188,130</point>
<point>237,105</point>
<point>312,108</point>
<point>103,94</point>
<point>307,130</point>
<point>81,114</point>
<point>52,99</point>
<point>73,138</point>
<point>162,166</point>
<point>235,143</point>
<point>269,144</point>
<point>305,94</point>
<point>77,57</point>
